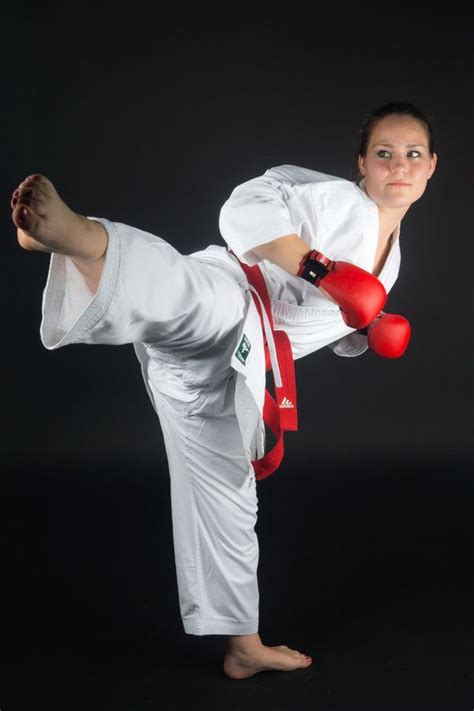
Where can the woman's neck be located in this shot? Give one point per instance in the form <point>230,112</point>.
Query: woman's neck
<point>389,219</point>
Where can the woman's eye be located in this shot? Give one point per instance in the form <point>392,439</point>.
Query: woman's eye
<point>379,153</point>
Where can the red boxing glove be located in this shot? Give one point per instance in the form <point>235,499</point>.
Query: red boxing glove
<point>388,335</point>
<point>358,293</point>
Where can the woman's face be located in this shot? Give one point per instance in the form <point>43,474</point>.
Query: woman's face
<point>398,164</point>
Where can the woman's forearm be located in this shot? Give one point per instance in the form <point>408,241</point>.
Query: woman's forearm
<point>287,253</point>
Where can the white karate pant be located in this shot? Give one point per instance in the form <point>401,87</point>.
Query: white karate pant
<point>184,318</point>
<point>213,488</point>
<point>214,510</point>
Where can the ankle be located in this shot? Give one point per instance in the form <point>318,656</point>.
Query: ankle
<point>98,239</point>
<point>243,643</point>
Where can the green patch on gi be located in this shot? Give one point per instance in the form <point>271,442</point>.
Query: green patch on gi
<point>243,350</point>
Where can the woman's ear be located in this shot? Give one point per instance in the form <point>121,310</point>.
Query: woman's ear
<point>434,160</point>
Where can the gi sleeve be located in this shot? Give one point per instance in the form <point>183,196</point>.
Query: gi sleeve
<point>255,213</point>
<point>354,344</point>
<point>148,293</point>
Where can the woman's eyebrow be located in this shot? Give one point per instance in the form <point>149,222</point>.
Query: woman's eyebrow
<point>408,145</point>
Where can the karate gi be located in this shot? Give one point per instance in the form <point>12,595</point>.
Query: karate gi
<point>198,337</point>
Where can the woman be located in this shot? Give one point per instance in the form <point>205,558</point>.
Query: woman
<point>196,328</point>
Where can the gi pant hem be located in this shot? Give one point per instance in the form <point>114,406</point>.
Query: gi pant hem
<point>219,625</point>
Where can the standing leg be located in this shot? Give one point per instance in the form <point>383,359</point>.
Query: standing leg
<point>214,509</point>
<point>214,512</point>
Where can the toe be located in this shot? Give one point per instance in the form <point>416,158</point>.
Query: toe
<point>37,180</point>
<point>41,184</point>
<point>29,181</point>
<point>24,200</point>
<point>33,196</point>
<point>18,212</point>
<point>37,183</point>
<point>23,217</point>
<point>27,192</point>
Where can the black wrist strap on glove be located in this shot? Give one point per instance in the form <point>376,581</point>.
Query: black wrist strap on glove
<point>314,267</point>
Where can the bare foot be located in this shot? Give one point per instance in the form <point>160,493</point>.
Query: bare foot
<point>243,659</point>
<point>45,223</point>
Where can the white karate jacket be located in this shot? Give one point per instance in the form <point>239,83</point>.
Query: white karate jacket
<point>331,214</point>
<point>334,216</point>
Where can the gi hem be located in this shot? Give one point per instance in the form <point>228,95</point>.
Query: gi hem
<point>219,625</point>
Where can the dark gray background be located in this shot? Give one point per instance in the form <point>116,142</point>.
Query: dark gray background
<point>151,116</point>
<point>153,122</point>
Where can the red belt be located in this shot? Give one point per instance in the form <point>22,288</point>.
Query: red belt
<point>280,414</point>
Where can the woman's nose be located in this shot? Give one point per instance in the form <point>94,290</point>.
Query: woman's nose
<point>398,163</point>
